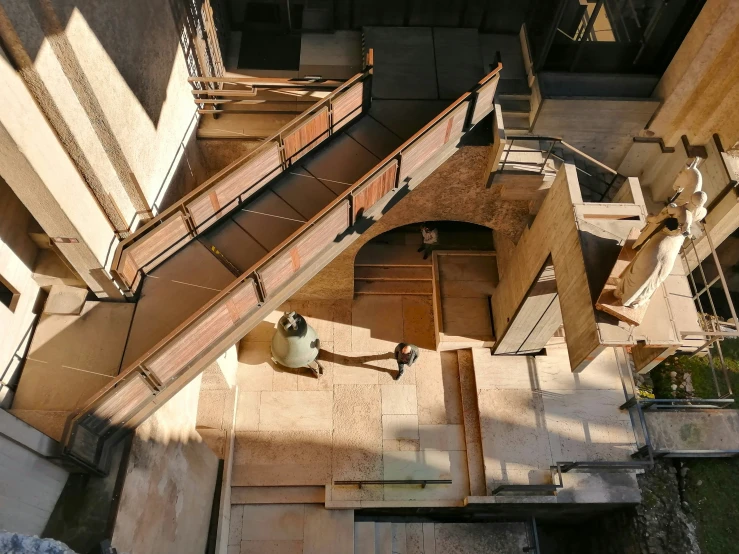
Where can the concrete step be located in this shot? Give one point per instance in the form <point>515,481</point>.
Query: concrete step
<point>386,255</point>
<point>278,495</point>
<point>393,273</point>
<point>511,87</point>
<point>393,287</point>
<point>216,439</point>
<point>50,423</point>
<point>472,435</point>
<point>515,105</point>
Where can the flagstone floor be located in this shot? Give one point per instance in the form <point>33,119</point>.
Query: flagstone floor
<point>355,422</point>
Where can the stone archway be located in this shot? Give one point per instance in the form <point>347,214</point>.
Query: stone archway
<point>454,192</point>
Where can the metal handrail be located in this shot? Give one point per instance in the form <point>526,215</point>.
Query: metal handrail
<point>599,465</point>
<point>422,482</point>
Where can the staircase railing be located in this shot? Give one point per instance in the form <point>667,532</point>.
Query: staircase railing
<point>422,482</point>
<point>147,383</point>
<point>162,236</point>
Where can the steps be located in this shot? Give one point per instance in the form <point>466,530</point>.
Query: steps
<point>392,269</point>
<point>471,414</point>
<point>278,495</point>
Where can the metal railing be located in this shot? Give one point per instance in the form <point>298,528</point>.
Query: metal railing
<point>208,186</point>
<point>598,180</point>
<point>560,468</point>
<point>422,482</point>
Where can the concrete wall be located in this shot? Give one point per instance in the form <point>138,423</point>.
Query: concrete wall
<point>700,88</point>
<point>17,259</point>
<point>29,488</point>
<point>168,490</point>
<point>35,165</point>
<point>112,81</point>
<point>454,192</point>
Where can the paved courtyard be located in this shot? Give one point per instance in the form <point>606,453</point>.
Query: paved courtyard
<point>355,422</point>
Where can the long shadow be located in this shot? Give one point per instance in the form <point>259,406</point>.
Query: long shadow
<point>359,361</point>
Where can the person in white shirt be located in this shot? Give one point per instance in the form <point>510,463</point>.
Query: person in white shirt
<point>430,240</point>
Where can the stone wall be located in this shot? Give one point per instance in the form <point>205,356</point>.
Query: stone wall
<point>170,480</point>
<point>454,192</point>
<point>659,525</point>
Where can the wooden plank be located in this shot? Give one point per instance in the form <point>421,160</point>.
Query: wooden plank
<point>196,338</point>
<point>607,301</point>
<point>306,136</point>
<point>278,270</point>
<point>158,245</point>
<point>259,169</point>
<point>484,100</point>
<point>447,129</point>
<point>374,189</point>
<point>346,106</point>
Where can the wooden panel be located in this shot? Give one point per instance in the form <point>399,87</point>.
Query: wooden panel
<point>259,169</point>
<point>347,106</point>
<point>120,403</point>
<point>150,250</point>
<point>484,99</point>
<point>446,130</point>
<point>306,136</point>
<point>200,335</point>
<point>305,248</point>
<point>374,189</point>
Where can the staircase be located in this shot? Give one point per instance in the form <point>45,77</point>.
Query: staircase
<point>514,97</point>
<point>273,219</point>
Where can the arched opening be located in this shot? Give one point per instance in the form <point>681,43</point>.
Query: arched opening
<point>449,271</point>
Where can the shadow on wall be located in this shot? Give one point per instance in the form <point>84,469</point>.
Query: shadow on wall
<point>140,38</point>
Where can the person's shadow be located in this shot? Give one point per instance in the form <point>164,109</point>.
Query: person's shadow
<point>359,361</point>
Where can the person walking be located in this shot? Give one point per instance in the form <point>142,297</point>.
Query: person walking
<point>430,240</point>
<point>405,355</point>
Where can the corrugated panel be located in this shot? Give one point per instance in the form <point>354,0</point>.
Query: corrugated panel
<point>200,335</point>
<point>121,402</point>
<point>306,136</point>
<point>167,237</point>
<point>262,167</point>
<point>347,106</point>
<point>305,248</point>
<point>448,129</point>
<point>375,188</point>
<point>484,99</point>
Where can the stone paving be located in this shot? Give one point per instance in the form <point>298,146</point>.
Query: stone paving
<point>355,422</point>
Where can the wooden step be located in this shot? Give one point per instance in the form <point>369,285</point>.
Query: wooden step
<point>392,273</point>
<point>393,287</point>
<point>278,495</point>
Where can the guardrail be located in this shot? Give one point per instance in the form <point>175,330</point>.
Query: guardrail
<point>595,177</point>
<point>140,388</point>
<point>422,482</point>
<point>564,467</point>
<point>678,403</point>
<point>160,237</point>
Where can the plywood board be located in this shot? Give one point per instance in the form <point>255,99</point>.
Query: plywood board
<point>607,301</point>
